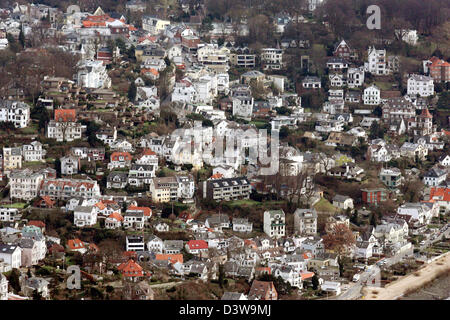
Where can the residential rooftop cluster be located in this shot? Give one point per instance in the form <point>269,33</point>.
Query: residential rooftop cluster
<point>98,170</point>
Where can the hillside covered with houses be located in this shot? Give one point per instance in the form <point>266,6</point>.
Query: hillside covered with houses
<point>113,116</point>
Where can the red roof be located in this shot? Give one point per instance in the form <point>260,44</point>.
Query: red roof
<point>197,244</point>
<point>440,194</point>
<point>116,155</point>
<point>116,215</point>
<point>150,70</point>
<point>65,115</point>
<point>148,152</point>
<point>216,176</point>
<point>37,223</point>
<point>146,210</point>
<point>131,269</point>
<point>48,201</point>
<point>75,244</point>
<point>173,258</point>
<point>426,114</point>
<point>306,275</point>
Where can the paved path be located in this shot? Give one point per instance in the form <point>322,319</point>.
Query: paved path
<point>399,287</point>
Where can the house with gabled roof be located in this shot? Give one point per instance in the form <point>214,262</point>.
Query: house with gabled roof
<point>263,290</point>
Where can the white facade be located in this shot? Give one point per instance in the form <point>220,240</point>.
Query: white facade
<point>33,151</point>
<point>372,96</point>
<point>11,254</point>
<point>16,112</point>
<point>93,74</point>
<point>420,85</point>
<point>275,223</point>
<point>377,63</point>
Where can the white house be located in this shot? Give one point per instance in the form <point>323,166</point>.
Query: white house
<point>372,95</point>
<point>93,74</point>
<point>70,165</point>
<point>84,216</point>
<point>155,244</point>
<point>407,35</point>
<point>377,62</point>
<point>242,225</point>
<point>275,223</point>
<point>420,85</point>
<point>33,151</point>
<point>16,112</point>
<point>444,160</point>
<point>434,177</point>
<point>11,254</point>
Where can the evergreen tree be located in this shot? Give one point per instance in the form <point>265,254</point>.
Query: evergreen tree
<point>315,282</point>
<point>132,92</point>
<point>14,281</point>
<point>22,37</point>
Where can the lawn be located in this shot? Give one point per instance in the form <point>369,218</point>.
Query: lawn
<point>384,85</point>
<point>245,202</point>
<point>324,205</point>
<point>17,205</point>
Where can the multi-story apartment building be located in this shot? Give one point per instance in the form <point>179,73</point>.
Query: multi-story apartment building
<point>24,184</point>
<point>153,24</point>
<point>396,109</point>
<point>64,189</point>
<point>166,189</point>
<point>70,164</point>
<point>392,178</point>
<point>12,158</point>
<point>420,85</point>
<point>214,58</point>
<point>8,214</point>
<point>374,196</point>
<point>64,127</point>
<point>135,243</point>
<point>438,69</point>
<point>16,112</point>
<point>141,174</point>
<point>275,223</point>
<point>377,63</point>
<point>226,189</point>
<point>272,58</point>
<point>243,58</point>
<point>33,151</point>
<point>372,95</point>
<point>305,222</point>
<point>92,74</point>
<point>422,124</point>
<point>355,77</point>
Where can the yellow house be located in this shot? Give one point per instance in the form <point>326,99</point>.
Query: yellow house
<point>12,158</point>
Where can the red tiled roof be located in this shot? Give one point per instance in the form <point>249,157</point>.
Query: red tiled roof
<point>116,215</point>
<point>440,194</point>
<point>426,114</point>
<point>75,244</point>
<point>216,176</point>
<point>306,275</point>
<point>65,115</point>
<point>197,244</point>
<point>131,269</point>
<point>146,210</point>
<point>173,258</point>
<point>48,201</point>
<point>115,156</point>
<point>148,152</point>
<point>37,223</point>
